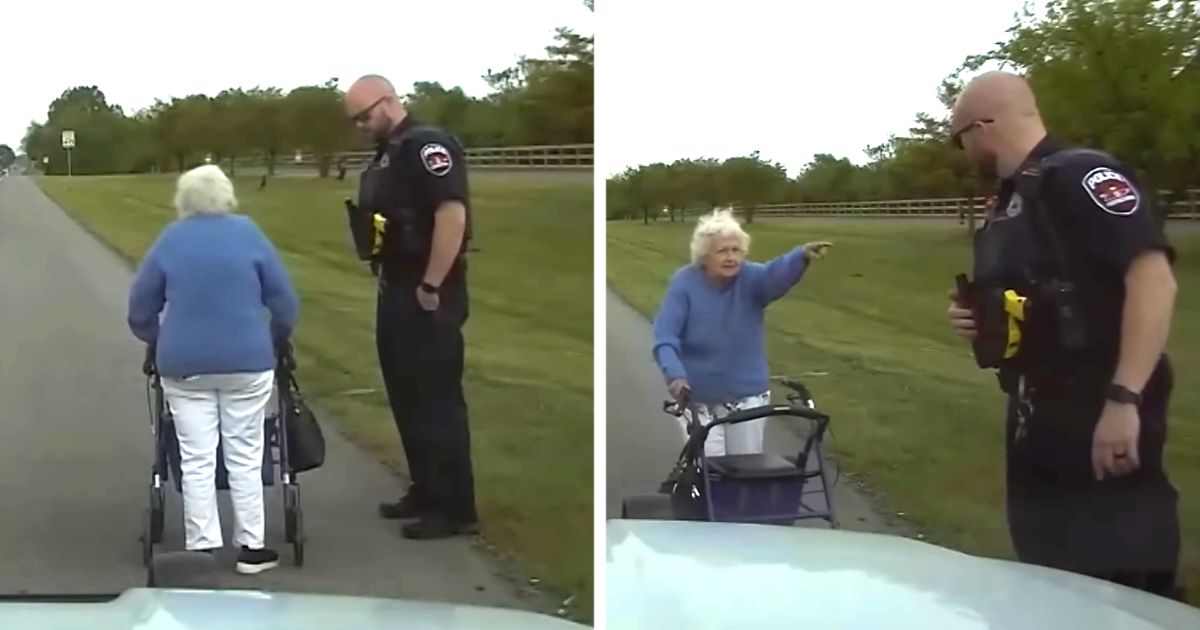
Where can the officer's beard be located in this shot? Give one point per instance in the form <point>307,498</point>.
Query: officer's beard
<point>987,166</point>
<point>381,133</point>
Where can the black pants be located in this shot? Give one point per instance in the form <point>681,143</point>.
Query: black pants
<point>421,357</point>
<point>1125,530</point>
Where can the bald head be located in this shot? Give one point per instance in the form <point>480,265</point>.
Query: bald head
<point>996,121</point>
<point>369,88</point>
<point>372,103</point>
<point>366,91</point>
<point>999,96</point>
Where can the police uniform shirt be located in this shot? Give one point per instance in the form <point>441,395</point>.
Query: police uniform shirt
<point>434,164</point>
<point>1105,220</point>
<point>432,170</point>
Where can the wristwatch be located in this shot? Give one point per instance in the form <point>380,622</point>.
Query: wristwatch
<point>428,288</point>
<point>1121,394</point>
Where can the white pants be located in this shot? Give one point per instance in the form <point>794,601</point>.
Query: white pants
<point>744,438</point>
<point>229,409</point>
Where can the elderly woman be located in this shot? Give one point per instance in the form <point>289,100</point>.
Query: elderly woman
<point>708,333</point>
<point>215,271</point>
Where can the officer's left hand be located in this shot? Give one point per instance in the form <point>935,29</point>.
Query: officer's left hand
<point>428,301</point>
<point>1115,442</point>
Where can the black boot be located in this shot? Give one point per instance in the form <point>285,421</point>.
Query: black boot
<point>433,526</point>
<point>406,508</point>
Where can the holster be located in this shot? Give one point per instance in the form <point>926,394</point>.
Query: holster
<point>362,231</point>
<point>1000,315</point>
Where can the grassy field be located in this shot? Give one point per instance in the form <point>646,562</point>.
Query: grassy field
<point>529,340</point>
<point>912,412</point>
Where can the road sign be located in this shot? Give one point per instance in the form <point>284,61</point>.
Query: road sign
<point>68,138</point>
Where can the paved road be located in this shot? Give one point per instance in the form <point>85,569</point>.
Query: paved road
<point>75,447</point>
<point>643,442</point>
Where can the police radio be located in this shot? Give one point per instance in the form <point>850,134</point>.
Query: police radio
<point>1060,294</point>
<point>1063,300</point>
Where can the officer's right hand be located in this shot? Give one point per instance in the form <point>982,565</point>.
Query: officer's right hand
<point>962,319</point>
<point>678,388</point>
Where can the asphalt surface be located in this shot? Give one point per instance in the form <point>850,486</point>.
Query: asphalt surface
<point>643,442</point>
<point>75,448</point>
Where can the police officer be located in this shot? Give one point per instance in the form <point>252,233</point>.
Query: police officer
<point>1071,300</point>
<point>412,222</point>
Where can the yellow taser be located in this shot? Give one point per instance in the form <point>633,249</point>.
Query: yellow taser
<point>1014,306</point>
<point>380,228</point>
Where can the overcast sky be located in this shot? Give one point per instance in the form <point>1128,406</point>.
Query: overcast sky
<point>720,78</point>
<point>137,50</point>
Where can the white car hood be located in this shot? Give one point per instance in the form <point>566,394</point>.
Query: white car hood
<point>664,574</point>
<point>185,609</point>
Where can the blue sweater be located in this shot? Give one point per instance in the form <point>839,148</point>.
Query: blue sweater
<point>713,337</point>
<point>214,274</point>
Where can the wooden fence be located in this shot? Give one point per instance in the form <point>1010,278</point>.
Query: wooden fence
<point>545,157</point>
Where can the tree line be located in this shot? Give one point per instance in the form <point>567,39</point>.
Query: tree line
<point>546,100</point>
<point>7,156</point>
<point>1121,75</point>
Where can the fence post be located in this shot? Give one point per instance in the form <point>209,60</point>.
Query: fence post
<point>1192,202</point>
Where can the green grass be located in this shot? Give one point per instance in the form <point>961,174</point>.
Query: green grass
<point>529,340</point>
<point>911,411</point>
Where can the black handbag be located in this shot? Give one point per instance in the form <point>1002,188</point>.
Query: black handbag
<point>305,441</point>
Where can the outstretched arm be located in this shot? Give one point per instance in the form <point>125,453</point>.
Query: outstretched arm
<point>782,273</point>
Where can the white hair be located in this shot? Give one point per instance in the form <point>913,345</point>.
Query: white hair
<point>720,224</point>
<point>204,190</point>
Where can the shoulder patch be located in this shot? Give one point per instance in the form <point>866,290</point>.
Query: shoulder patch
<point>436,158</point>
<point>1112,191</point>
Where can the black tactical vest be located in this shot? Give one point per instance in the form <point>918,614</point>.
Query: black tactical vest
<point>1021,247</point>
<point>390,190</point>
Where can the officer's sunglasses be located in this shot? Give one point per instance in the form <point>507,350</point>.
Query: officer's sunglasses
<point>957,136</point>
<point>365,114</point>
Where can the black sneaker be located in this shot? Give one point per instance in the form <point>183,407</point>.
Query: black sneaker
<point>433,526</point>
<point>405,508</point>
<point>254,561</point>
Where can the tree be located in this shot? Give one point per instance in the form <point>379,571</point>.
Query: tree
<point>436,105</point>
<point>317,123</point>
<point>266,124</point>
<point>234,123</point>
<point>826,178</point>
<point>1117,75</point>
<point>751,182</point>
<point>538,101</point>
<point>7,156</point>
<point>548,100</point>
<point>100,131</point>
<point>1120,75</point>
